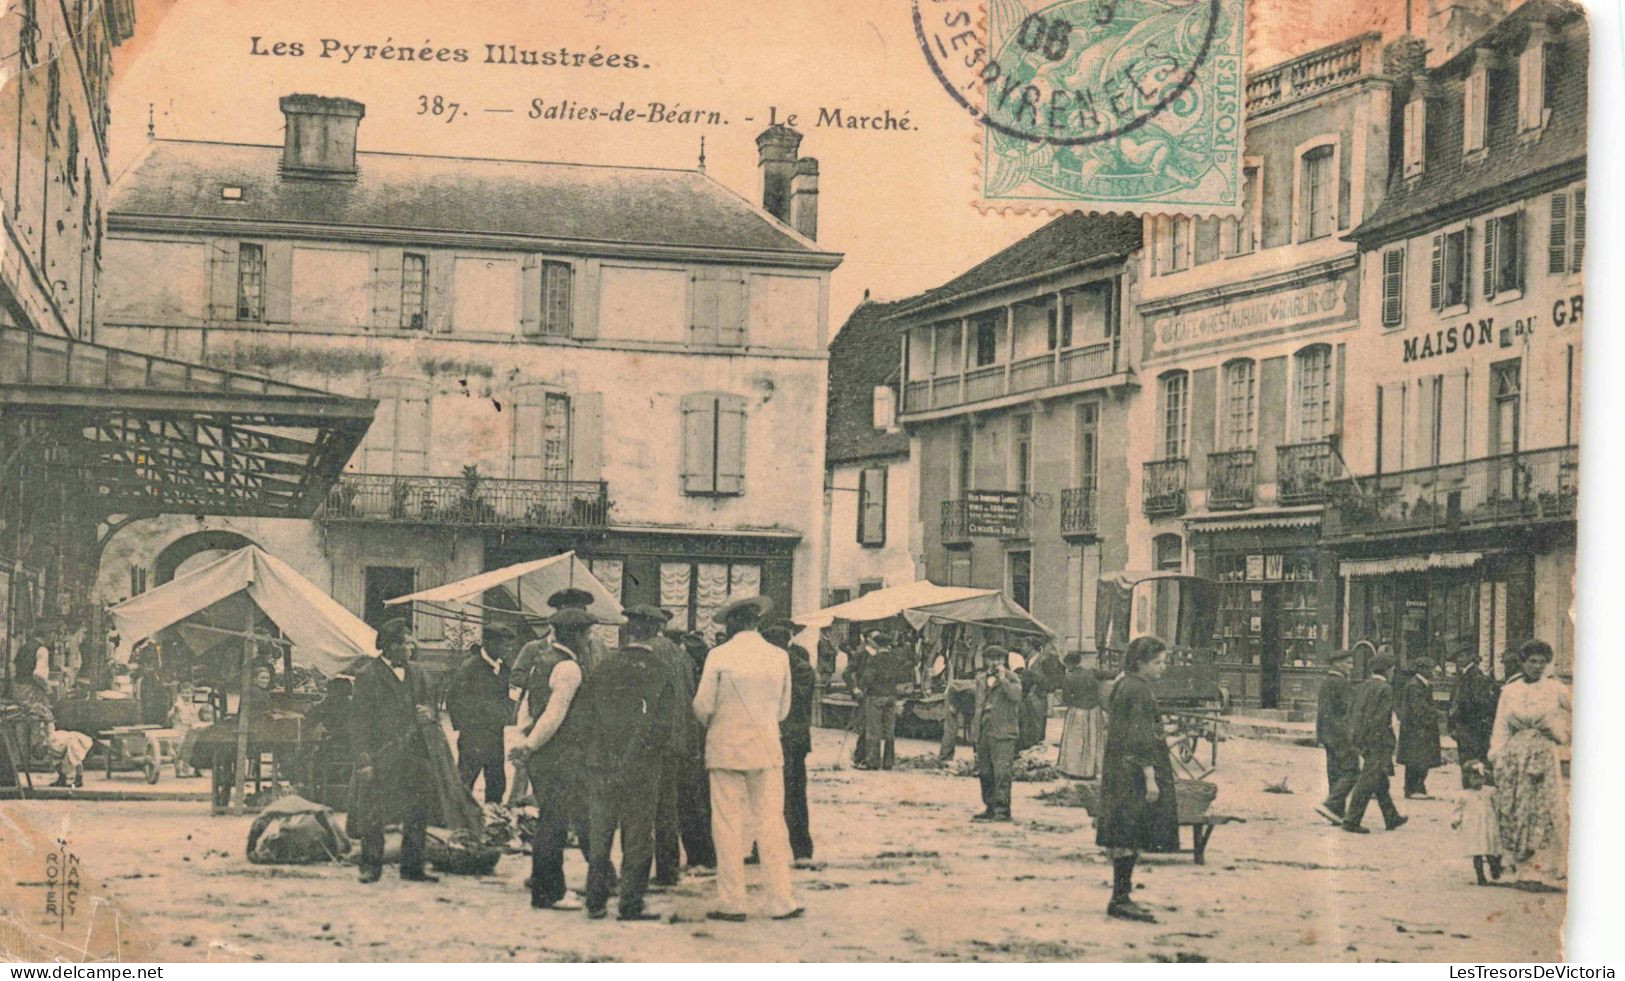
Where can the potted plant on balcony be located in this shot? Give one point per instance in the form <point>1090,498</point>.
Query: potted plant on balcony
<point>471,503</point>
<point>341,500</point>
<point>399,493</point>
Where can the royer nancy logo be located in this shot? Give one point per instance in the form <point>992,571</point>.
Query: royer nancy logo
<point>1116,104</point>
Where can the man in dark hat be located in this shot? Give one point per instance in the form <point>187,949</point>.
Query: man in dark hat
<point>681,752</point>
<point>551,754</point>
<point>884,671</point>
<point>994,729</point>
<point>1472,708</point>
<point>744,694</point>
<point>693,783</point>
<point>571,598</point>
<point>391,702</point>
<point>628,712</point>
<point>795,737</point>
<point>1332,732</point>
<point>1371,727</point>
<point>479,709</point>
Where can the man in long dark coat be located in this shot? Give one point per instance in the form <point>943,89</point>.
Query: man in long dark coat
<point>795,737</point>
<point>1332,705</point>
<point>480,710</point>
<point>1371,725</point>
<point>393,779</point>
<point>882,675</point>
<point>994,729</point>
<point>1418,730</point>
<point>629,710</point>
<point>1472,710</point>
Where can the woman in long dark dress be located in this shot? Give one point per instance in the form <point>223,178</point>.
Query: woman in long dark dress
<point>1138,809</point>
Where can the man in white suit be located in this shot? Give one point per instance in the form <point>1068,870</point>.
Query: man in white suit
<point>744,693</point>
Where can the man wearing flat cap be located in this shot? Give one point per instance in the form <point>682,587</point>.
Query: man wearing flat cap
<point>1332,705</point>
<point>479,709</point>
<point>391,702</point>
<point>884,672</point>
<point>744,694</point>
<point>628,712</point>
<point>551,753</point>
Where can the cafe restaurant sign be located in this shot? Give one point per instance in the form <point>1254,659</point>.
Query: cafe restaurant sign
<point>1254,316</point>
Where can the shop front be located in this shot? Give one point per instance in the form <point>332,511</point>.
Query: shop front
<point>1277,614</point>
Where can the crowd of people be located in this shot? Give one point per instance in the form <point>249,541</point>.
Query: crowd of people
<point>1511,814</point>
<point>681,751</point>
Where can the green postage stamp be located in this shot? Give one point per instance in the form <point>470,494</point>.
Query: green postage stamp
<point>1097,105</point>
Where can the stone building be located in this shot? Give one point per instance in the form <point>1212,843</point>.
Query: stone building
<point>1017,382</point>
<point>621,360</point>
<point>1456,530</point>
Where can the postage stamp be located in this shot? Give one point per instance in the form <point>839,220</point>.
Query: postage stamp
<point>1096,105</point>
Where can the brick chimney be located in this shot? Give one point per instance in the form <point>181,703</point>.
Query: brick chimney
<point>319,140</point>
<point>1453,25</point>
<point>776,154</point>
<point>804,198</point>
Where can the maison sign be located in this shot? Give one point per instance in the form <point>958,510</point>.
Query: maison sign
<point>995,513</point>
<point>1253,316</point>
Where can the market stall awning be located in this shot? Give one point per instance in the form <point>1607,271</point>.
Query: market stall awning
<point>325,635</point>
<point>138,434</point>
<point>529,584</point>
<point>924,600</point>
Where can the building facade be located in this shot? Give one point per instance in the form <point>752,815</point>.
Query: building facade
<point>1017,382</point>
<point>1456,530</point>
<point>495,310</point>
<point>1246,325</point>
<point>869,476</point>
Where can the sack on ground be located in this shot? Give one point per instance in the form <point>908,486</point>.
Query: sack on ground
<point>294,831</point>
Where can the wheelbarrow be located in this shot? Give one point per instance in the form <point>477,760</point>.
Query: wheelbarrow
<point>145,748</point>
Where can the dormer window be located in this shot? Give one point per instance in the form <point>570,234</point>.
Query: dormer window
<point>1475,109</point>
<point>1416,116</point>
<point>231,193</point>
<point>1532,109</point>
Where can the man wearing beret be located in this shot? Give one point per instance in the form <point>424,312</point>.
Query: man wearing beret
<point>592,651</point>
<point>744,694</point>
<point>479,709</point>
<point>627,713</point>
<point>551,753</point>
<point>391,702</point>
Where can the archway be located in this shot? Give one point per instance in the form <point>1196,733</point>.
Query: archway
<point>178,552</point>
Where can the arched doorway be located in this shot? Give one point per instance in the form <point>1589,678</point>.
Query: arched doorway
<point>189,551</point>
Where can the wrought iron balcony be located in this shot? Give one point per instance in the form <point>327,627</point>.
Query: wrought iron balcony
<point>955,526</point>
<point>468,501</point>
<point>1513,489</point>
<point>1078,516</point>
<point>1231,478</point>
<point>1163,493</point>
<point>1302,470</point>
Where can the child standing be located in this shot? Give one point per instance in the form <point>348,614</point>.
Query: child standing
<point>1475,820</point>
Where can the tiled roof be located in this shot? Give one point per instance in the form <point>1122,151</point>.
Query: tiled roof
<point>863,355</point>
<point>1514,166</point>
<point>574,202</point>
<point>1069,240</point>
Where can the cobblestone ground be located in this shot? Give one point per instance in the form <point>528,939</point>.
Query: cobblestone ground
<point>902,874</point>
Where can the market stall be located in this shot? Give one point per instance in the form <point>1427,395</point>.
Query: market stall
<point>237,617</point>
<point>948,626</point>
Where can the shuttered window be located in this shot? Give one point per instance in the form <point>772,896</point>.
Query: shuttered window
<point>398,440</point>
<point>872,507</point>
<point>717,298</point>
<point>1393,287</point>
<point>250,281</point>
<point>1476,108</point>
<point>1449,279</point>
<point>713,444</point>
<point>1503,254</point>
<point>556,298</point>
<point>541,434</point>
<point>1565,244</point>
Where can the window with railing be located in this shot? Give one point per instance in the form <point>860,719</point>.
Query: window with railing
<point>414,290</point>
<point>1312,373</point>
<point>540,446</point>
<point>250,281</point>
<point>1173,399</point>
<point>557,282</point>
<point>1240,393</point>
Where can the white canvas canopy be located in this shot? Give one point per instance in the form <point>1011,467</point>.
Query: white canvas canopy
<point>922,601</point>
<point>324,634</point>
<point>529,584</point>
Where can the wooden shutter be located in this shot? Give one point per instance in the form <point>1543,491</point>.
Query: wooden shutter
<point>278,282</point>
<point>378,447</point>
<point>1577,257</point>
<point>222,279</point>
<point>1339,370</point>
<point>1453,418</point>
<point>412,443</point>
<point>1201,393</point>
<point>525,445</point>
<point>872,506</point>
<point>1393,287</point>
<point>1492,239</point>
<point>1436,291</point>
<point>387,266</point>
<point>732,308</point>
<point>730,444</point>
<point>1557,237</point>
<point>703,306</point>
<point>442,264</point>
<point>1510,247</point>
<point>1392,433</point>
<point>587,436</point>
<point>699,421</point>
<point>531,295</point>
<point>1526,88</point>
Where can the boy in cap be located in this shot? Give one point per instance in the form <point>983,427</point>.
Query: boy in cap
<point>391,701</point>
<point>744,694</point>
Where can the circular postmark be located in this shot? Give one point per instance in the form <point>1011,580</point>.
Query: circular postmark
<point>1069,72</point>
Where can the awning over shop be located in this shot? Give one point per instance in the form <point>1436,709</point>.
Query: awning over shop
<point>324,634</point>
<point>1408,563</point>
<point>138,434</point>
<point>1307,517</point>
